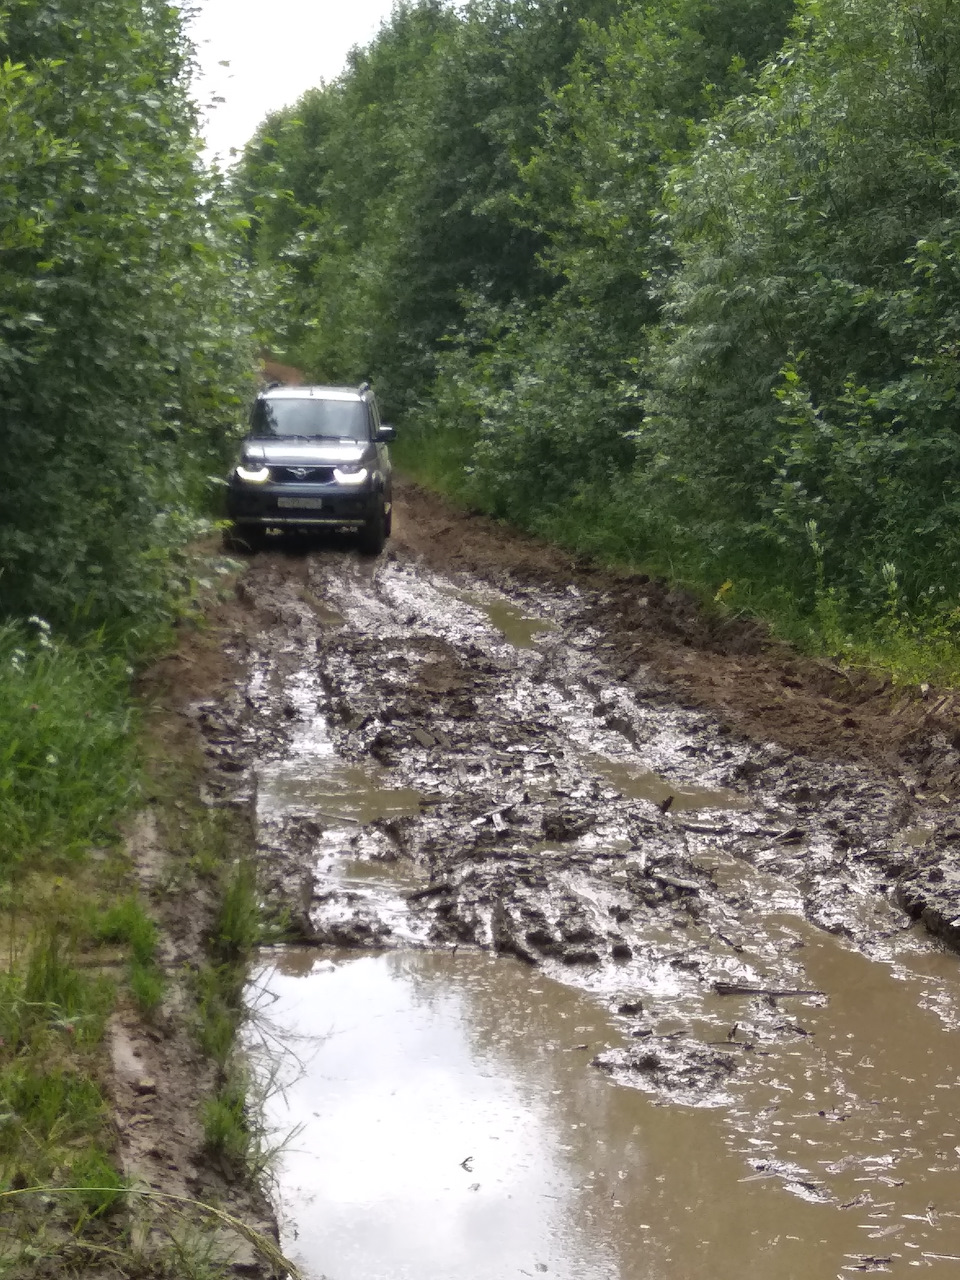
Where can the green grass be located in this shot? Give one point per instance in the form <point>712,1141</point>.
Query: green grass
<point>218,984</point>
<point>97,1186</point>
<point>127,922</point>
<point>435,458</point>
<point>238,927</point>
<point>54,1120</point>
<point>216,994</point>
<point>147,986</point>
<point>225,1127</point>
<point>67,764</point>
<point>218,989</point>
<point>76,755</point>
<point>47,995</point>
<point>68,773</point>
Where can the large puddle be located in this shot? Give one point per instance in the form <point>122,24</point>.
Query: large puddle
<point>445,1122</point>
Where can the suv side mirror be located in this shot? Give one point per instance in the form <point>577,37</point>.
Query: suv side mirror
<point>385,434</point>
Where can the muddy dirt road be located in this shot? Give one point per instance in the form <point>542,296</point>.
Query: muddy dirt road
<point>701,862</point>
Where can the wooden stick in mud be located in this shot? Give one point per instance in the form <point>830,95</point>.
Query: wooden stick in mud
<point>746,989</point>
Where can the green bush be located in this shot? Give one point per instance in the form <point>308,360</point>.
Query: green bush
<point>125,346</point>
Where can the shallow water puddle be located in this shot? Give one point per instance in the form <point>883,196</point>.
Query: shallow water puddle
<point>450,1125</point>
<point>864,1106</point>
<point>312,779</point>
<point>339,792</point>
<point>517,627</point>
<point>641,784</point>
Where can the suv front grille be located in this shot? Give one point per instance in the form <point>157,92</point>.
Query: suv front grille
<point>302,475</point>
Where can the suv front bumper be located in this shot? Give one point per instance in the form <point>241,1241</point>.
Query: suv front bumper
<point>329,505</point>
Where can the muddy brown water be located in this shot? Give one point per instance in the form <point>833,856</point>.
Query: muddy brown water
<point>728,1054</point>
<point>445,1121</point>
<point>517,626</point>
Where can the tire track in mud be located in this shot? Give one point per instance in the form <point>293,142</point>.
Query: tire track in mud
<point>440,764</point>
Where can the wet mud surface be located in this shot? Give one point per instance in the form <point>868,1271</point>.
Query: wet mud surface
<point>472,748</point>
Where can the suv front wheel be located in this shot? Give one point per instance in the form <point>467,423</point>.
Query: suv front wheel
<point>373,535</point>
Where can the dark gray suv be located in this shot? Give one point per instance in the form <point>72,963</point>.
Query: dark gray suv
<point>316,457</point>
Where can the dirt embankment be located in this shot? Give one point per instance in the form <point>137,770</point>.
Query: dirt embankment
<point>763,688</point>
<point>160,1079</point>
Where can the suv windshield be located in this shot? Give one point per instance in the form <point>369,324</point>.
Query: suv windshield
<point>335,419</point>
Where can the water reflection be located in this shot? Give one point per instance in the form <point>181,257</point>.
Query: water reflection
<point>452,1127</point>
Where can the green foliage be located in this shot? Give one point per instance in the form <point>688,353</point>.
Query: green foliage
<point>219,989</point>
<point>53,1117</point>
<point>124,360</point>
<point>554,391</point>
<point>218,1015</point>
<point>219,984</point>
<point>46,1000</point>
<point>97,1184</point>
<point>808,374</point>
<point>679,282</point>
<point>231,1126</point>
<point>147,986</point>
<point>225,1127</point>
<point>50,1105</point>
<point>526,423</point>
<point>396,187</point>
<point>66,761</point>
<point>322,184</point>
<point>126,921</point>
<point>238,926</point>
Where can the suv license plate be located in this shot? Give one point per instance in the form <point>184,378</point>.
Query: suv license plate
<point>304,504</point>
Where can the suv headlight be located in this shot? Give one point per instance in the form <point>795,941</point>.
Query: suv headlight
<point>253,474</point>
<point>350,474</point>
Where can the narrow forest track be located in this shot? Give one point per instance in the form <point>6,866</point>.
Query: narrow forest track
<point>474,741</point>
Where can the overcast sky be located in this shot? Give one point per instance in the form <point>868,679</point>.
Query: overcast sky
<point>276,49</point>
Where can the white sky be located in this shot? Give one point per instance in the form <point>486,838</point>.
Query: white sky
<point>277,49</point>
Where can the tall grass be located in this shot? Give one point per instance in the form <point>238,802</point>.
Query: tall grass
<point>127,922</point>
<point>66,759</point>
<point>735,569</point>
<point>53,1116</point>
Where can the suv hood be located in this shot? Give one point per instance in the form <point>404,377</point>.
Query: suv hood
<point>300,452</point>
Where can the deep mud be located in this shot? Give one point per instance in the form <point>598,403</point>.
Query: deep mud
<point>474,742</point>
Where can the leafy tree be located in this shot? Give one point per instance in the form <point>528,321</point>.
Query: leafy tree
<point>807,385</point>
<point>321,182</point>
<point>561,381</point>
<point>122,359</point>
<point>393,190</point>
